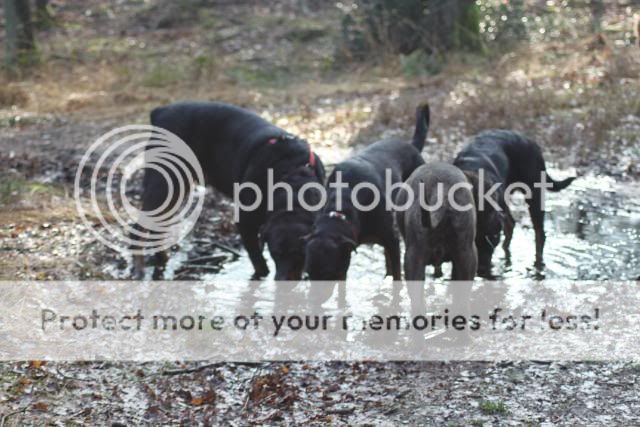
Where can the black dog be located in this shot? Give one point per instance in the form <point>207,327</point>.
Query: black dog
<point>506,157</point>
<point>236,146</point>
<point>341,227</point>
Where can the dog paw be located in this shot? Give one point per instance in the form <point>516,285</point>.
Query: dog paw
<point>260,274</point>
<point>158,273</point>
<point>137,274</point>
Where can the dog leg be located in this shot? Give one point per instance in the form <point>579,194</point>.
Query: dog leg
<point>414,274</point>
<point>437,271</point>
<point>392,259</point>
<point>160,263</point>
<point>155,193</point>
<point>465,264</point>
<point>251,243</point>
<point>509,224</point>
<point>414,265</point>
<point>537,218</point>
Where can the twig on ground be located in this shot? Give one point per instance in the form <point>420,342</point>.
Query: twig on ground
<point>227,248</point>
<point>67,377</point>
<point>207,366</point>
<point>10,414</point>
<point>246,401</point>
<point>207,259</point>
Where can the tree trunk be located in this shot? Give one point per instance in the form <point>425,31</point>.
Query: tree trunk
<point>20,41</point>
<point>597,12</point>
<point>411,26</point>
<point>43,17</point>
<point>456,24</point>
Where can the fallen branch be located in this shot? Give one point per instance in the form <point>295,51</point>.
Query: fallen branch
<point>218,245</point>
<point>208,259</point>
<point>10,414</point>
<point>227,248</point>
<point>207,366</point>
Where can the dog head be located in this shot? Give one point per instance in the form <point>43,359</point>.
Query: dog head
<point>328,249</point>
<point>285,231</point>
<point>284,235</point>
<point>328,256</point>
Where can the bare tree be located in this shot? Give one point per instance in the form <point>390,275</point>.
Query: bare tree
<point>20,41</point>
<point>408,25</point>
<point>598,10</point>
<point>42,14</point>
<point>454,24</point>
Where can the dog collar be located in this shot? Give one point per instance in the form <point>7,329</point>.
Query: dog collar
<point>339,215</point>
<point>343,217</point>
<point>312,157</point>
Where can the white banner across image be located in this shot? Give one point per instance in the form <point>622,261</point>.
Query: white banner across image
<point>358,320</point>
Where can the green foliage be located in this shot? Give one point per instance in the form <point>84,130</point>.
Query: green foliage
<point>305,33</point>
<point>204,67</point>
<point>12,188</point>
<point>260,76</point>
<point>419,63</point>
<point>392,27</point>
<point>161,75</point>
<point>489,407</point>
<point>10,96</point>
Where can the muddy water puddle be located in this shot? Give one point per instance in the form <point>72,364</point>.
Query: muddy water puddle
<point>593,233</point>
<point>592,227</point>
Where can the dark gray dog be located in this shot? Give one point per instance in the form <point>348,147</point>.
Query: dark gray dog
<point>438,228</point>
<point>438,231</point>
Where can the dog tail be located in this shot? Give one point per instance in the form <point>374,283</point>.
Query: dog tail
<point>431,218</point>
<point>422,126</point>
<point>559,185</point>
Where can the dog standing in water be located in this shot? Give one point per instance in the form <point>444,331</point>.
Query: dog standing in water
<point>236,146</point>
<point>342,226</point>
<point>507,157</point>
<point>438,225</point>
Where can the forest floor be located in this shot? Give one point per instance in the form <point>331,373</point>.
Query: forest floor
<point>106,64</point>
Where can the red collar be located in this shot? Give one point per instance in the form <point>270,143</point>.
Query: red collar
<point>312,159</point>
<point>312,156</point>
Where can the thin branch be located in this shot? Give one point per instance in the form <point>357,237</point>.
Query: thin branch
<point>207,366</point>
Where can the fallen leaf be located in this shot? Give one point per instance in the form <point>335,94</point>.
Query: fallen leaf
<point>36,364</point>
<point>40,406</point>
